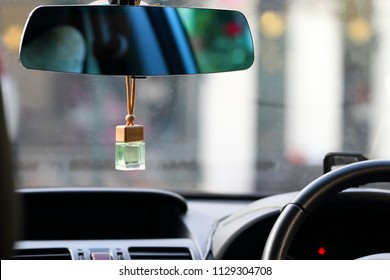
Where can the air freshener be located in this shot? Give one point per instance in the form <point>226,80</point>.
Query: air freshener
<point>130,145</point>
<point>130,148</point>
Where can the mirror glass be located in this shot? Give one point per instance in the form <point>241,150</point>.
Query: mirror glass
<point>136,40</point>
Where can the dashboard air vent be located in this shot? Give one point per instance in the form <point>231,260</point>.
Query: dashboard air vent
<point>159,253</point>
<point>42,254</point>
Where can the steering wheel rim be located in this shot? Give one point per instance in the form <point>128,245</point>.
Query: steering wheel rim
<point>310,197</point>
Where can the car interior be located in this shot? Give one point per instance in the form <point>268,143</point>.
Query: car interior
<point>211,130</point>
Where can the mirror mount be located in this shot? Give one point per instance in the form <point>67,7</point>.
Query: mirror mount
<point>125,2</point>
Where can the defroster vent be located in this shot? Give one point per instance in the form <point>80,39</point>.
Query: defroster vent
<point>159,253</point>
<point>42,254</point>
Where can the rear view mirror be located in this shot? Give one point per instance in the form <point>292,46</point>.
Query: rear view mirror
<point>136,40</point>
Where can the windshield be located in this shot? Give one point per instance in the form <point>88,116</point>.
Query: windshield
<point>320,83</point>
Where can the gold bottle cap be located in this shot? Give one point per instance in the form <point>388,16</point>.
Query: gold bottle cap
<point>129,133</point>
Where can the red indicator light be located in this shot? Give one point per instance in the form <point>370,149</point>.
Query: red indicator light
<point>322,251</point>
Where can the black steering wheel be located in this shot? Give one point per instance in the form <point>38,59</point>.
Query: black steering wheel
<point>309,198</point>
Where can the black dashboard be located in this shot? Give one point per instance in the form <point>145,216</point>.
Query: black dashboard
<point>93,223</point>
<point>93,215</point>
<point>97,223</point>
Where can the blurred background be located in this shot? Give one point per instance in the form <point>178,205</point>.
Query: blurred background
<point>320,83</point>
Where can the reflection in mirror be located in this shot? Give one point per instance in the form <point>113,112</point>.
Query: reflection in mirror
<point>136,40</point>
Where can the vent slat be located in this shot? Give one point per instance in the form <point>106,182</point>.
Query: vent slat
<point>157,253</point>
<point>43,254</point>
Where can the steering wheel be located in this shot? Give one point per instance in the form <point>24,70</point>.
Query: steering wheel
<point>310,197</point>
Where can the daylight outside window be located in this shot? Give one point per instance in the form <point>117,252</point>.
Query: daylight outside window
<point>319,84</point>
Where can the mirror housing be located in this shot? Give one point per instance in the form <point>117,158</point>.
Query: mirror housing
<point>136,40</point>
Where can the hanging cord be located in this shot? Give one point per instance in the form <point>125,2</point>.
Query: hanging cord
<point>130,90</point>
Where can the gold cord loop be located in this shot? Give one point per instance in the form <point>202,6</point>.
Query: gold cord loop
<point>130,90</point>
